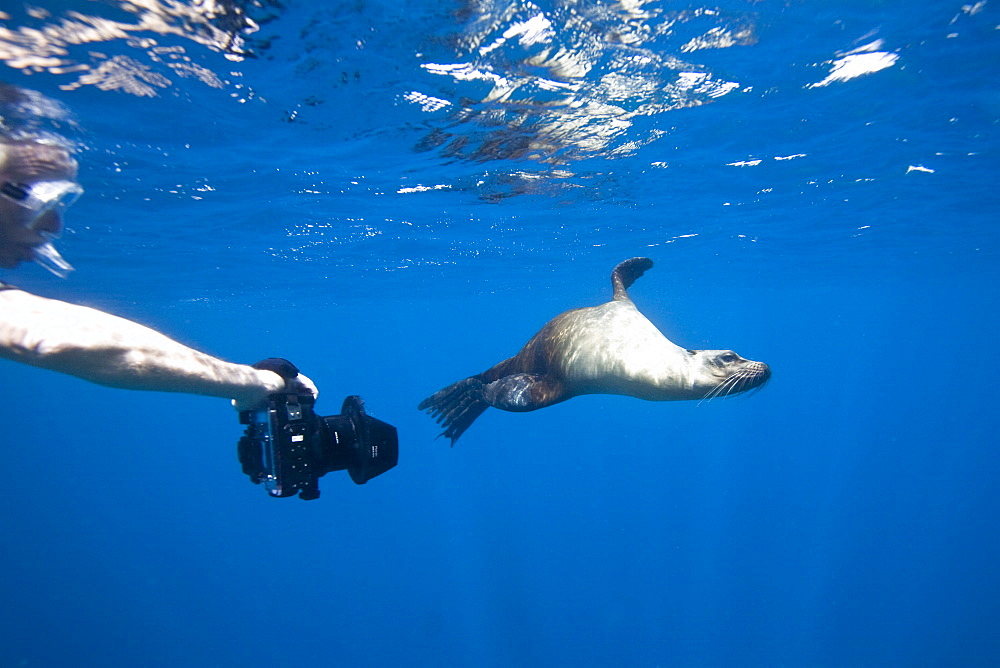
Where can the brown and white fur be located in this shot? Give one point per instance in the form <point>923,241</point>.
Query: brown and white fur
<point>607,349</point>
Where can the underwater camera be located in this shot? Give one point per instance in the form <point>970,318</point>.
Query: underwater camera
<point>287,447</point>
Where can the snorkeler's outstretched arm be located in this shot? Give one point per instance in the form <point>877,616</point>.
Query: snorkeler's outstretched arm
<point>116,352</point>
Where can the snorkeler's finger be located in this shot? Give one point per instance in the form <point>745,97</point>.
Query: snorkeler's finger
<point>302,383</point>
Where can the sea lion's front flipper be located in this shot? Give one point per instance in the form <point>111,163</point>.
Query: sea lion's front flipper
<point>521,392</point>
<point>457,406</point>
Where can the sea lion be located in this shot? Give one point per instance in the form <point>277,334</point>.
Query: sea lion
<point>606,349</point>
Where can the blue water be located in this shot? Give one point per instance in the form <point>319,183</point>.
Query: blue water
<point>398,195</point>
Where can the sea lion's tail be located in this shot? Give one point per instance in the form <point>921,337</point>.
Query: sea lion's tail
<point>625,273</point>
<point>456,407</point>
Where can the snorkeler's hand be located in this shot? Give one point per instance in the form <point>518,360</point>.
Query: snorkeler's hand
<point>276,375</point>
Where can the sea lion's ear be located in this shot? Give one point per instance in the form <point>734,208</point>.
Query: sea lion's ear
<point>625,274</point>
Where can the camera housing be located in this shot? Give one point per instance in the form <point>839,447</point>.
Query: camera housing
<point>288,448</point>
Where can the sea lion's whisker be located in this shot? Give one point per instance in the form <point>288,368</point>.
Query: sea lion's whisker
<point>719,390</point>
<point>745,377</point>
<point>732,387</point>
<point>714,392</point>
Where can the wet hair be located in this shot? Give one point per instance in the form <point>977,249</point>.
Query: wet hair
<point>29,116</point>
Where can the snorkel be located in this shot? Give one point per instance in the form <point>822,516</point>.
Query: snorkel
<point>47,256</point>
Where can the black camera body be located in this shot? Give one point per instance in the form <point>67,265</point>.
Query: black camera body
<point>288,448</point>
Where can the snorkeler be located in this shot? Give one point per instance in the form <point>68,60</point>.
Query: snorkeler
<point>37,184</point>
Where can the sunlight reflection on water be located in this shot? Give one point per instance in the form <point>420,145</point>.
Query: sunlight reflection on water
<point>38,41</point>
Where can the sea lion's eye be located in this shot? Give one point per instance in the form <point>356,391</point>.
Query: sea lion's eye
<point>727,358</point>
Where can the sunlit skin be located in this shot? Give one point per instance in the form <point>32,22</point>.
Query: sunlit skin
<point>91,344</point>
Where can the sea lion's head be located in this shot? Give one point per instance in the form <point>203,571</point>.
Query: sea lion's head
<point>722,373</point>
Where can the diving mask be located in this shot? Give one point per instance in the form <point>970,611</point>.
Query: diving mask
<point>38,199</point>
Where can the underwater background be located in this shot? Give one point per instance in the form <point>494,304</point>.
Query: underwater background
<point>396,195</point>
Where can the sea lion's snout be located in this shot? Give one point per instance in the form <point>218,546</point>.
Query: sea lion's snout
<point>761,373</point>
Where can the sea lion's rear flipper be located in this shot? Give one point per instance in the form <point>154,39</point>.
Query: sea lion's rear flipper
<point>626,273</point>
<point>456,407</point>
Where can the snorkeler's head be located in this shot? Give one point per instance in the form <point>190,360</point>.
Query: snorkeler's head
<point>37,183</point>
